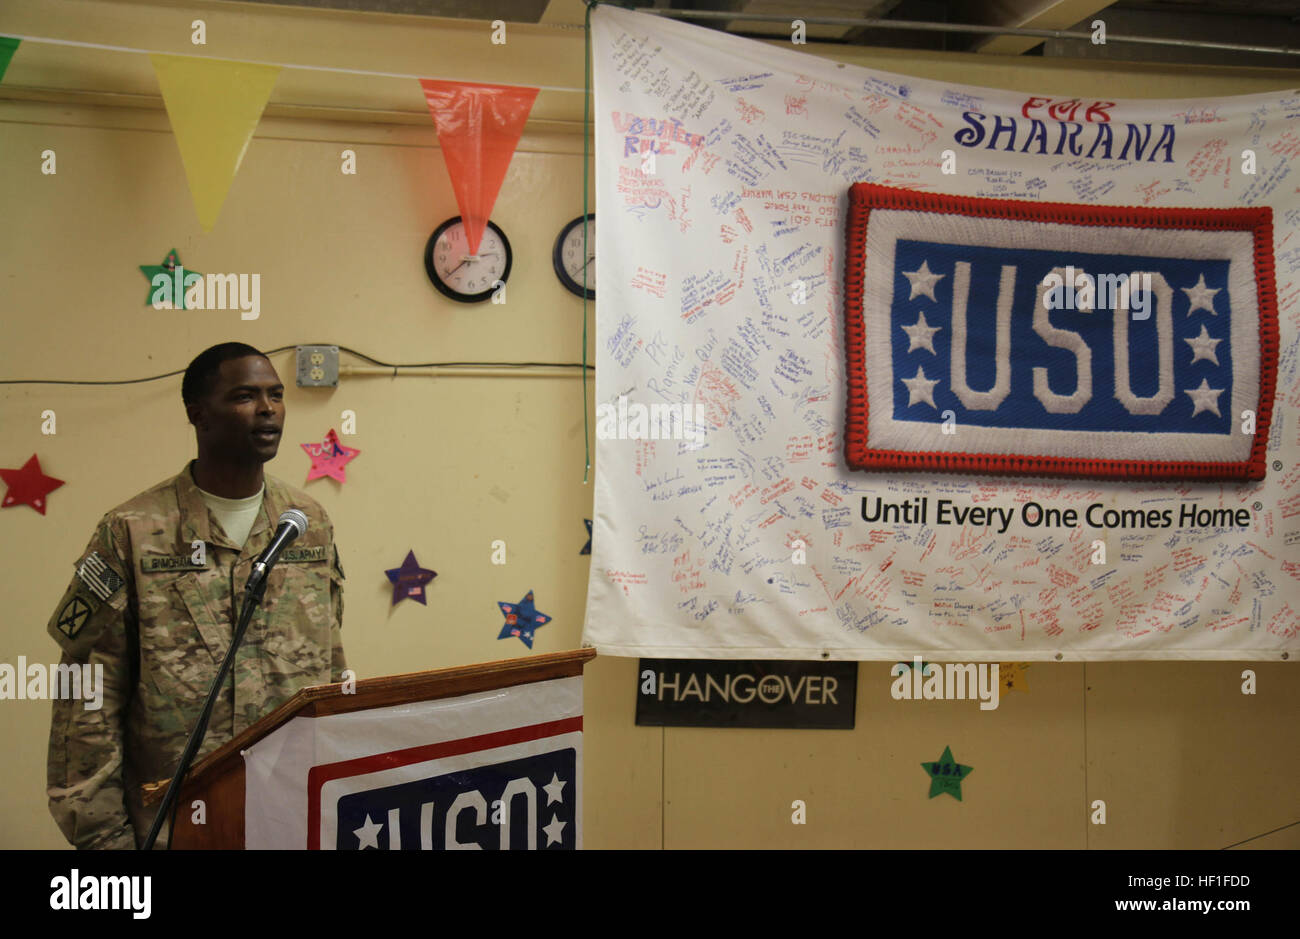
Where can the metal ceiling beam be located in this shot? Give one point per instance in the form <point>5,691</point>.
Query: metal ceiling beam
<point>969,28</point>
<point>1033,14</point>
<point>564,13</point>
<point>809,11</point>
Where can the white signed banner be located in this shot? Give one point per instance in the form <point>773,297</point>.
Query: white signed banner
<point>1030,394</point>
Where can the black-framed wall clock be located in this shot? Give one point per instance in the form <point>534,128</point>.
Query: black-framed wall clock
<point>572,254</point>
<point>459,275</point>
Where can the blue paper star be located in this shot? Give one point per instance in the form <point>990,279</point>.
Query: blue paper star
<point>586,549</point>
<point>409,579</point>
<point>522,619</point>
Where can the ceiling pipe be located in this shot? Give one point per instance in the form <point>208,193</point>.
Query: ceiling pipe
<point>965,28</point>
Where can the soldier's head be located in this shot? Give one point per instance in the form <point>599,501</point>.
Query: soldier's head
<point>235,400</point>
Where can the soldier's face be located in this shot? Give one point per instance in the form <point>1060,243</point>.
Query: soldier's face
<point>242,418</point>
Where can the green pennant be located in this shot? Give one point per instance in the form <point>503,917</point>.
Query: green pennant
<point>7,46</point>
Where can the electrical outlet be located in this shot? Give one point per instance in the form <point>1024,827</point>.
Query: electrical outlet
<point>318,366</point>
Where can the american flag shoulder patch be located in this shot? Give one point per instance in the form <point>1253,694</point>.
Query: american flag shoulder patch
<point>99,578</point>
<point>1002,336</point>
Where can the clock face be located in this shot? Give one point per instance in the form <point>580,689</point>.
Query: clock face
<point>573,254</point>
<point>458,274</point>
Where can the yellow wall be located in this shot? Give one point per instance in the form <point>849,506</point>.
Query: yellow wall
<point>451,463</point>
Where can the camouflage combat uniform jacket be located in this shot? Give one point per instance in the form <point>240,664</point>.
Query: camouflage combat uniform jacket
<point>160,624</point>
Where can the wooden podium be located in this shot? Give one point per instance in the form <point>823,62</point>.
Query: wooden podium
<point>219,779</point>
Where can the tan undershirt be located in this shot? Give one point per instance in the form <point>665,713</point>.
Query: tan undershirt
<point>235,515</point>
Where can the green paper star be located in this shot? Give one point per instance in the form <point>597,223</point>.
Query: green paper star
<point>168,266</point>
<point>946,775</point>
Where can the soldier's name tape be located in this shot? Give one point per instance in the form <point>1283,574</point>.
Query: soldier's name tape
<point>160,563</point>
<point>38,682</point>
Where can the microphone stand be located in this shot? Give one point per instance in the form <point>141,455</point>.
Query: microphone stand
<point>252,597</point>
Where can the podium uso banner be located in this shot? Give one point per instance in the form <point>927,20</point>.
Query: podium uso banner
<point>499,769</point>
<point>890,366</point>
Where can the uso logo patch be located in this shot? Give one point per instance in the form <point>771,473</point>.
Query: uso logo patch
<point>509,790</point>
<point>988,335</point>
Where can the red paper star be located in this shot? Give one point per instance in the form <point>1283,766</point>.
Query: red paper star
<point>328,458</point>
<point>28,486</point>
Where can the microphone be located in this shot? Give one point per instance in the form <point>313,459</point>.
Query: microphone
<point>293,523</point>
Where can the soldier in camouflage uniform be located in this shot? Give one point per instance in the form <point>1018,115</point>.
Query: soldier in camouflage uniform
<point>155,598</point>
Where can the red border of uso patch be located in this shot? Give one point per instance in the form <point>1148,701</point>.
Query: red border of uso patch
<point>859,452</point>
<point>318,776</point>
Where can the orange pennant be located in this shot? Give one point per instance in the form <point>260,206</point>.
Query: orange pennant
<point>478,129</point>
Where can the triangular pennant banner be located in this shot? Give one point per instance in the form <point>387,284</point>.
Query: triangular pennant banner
<point>214,108</point>
<point>7,46</point>
<point>478,130</point>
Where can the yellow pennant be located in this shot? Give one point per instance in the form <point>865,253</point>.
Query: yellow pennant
<point>214,108</point>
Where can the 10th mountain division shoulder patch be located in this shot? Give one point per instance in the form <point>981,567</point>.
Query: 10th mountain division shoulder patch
<point>73,616</point>
<point>999,336</point>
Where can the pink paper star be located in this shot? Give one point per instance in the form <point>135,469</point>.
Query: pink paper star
<point>328,458</point>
